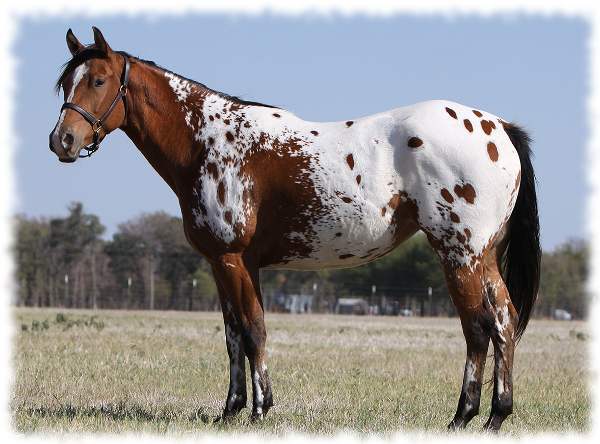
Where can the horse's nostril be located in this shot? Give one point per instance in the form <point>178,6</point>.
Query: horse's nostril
<point>67,140</point>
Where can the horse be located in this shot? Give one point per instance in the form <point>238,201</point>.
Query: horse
<point>259,188</point>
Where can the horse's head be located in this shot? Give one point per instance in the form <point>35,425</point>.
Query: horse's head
<point>94,83</point>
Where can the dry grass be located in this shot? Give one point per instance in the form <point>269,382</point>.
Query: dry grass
<point>167,372</point>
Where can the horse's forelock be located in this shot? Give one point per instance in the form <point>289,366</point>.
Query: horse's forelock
<point>87,53</point>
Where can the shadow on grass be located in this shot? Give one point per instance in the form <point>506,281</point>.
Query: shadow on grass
<point>117,412</point>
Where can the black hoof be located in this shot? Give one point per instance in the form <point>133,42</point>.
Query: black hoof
<point>456,424</point>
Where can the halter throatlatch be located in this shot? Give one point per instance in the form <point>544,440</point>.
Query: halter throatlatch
<point>95,122</point>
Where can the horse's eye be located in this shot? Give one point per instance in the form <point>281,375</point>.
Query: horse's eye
<point>99,82</point>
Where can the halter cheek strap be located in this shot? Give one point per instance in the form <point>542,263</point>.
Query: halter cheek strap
<point>97,124</point>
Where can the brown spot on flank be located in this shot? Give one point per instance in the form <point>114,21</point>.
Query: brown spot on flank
<point>454,217</point>
<point>276,115</point>
<point>451,112</point>
<point>211,168</point>
<point>358,179</point>
<point>492,124</point>
<point>211,141</point>
<point>246,124</point>
<point>447,196</point>
<point>226,121</point>
<point>461,238</point>
<point>468,233</point>
<point>346,199</point>
<point>468,125</point>
<point>477,113</point>
<point>414,142</point>
<point>314,133</point>
<point>492,151</point>
<point>229,136</point>
<point>349,123</point>
<point>486,127</point>
<point>350,161</point>
<point>467,192</point>
<point>383,210</point>
<point>217,115</point>
<point>228,217</point>
<point>211,118</point>
<point>346,256</point>
<point>221,193</point>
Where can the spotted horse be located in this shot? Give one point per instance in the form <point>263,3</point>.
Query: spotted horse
<point>261,188</point>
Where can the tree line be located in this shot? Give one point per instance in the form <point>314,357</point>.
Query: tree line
<point>148,264</point>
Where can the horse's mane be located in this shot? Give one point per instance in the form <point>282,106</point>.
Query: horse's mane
<point>91,52</point>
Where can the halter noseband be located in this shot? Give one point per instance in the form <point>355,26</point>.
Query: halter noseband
<point>97,123</point>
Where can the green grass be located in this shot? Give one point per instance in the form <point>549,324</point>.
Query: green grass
<point>167,372</point>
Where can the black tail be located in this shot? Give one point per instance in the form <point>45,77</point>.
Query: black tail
<point>522,256</point>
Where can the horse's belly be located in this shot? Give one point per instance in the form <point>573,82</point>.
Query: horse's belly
<point>345,243</point>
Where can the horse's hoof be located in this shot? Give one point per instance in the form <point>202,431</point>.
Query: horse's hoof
<point>257,416</point>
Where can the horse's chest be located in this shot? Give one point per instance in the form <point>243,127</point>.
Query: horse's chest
<point>221,201</point>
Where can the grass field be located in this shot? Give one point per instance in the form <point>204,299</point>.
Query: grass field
<point>167,372</point>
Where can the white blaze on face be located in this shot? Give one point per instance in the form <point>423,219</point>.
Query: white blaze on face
<point>78,74</point>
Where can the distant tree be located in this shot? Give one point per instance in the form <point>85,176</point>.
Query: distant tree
<point>563,279</point>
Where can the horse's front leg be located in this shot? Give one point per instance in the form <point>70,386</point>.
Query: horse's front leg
<point>243,314</point>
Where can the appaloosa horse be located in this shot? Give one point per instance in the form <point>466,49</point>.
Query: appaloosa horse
<point>261,188</point>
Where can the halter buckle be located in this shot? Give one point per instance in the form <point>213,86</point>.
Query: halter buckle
<point>97,126</point>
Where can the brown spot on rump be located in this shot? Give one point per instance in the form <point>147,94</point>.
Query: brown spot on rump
<point>217,115</point>
<point>314,133</point>
<point>346,256</point>
<point>228,217</point>
<point>346,199</point>
<point>451,112</point>
<point>211,118</point>
<point>414,142</point>
<point>226,121</point>
<point>447,196</point>
<point>468,125</point>
<point>276,115</point>
<point>349,123</point>
<point>461,238</point>
<point>492,151</point>
<point>486,127</point>
<point>454,217</point>
<point>229,136</point>
<point>211,168</point>
<point>211,141</point>
<point>467,233</point>
<point>477,113</point>
<point>492,124</point>
<point>358,179</point>
<point>221,193</point>
<point>350,161</point>
<point>467,192</point>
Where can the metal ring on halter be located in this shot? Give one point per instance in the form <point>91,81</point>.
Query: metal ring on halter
<point>97,123</point>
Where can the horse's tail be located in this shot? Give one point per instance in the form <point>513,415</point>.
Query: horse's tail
<point>522,254</point>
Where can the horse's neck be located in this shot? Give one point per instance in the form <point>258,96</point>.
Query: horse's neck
<point>157,126</point>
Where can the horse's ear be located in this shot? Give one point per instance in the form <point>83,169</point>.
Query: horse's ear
<point>99,41</point>
<point>72,42</point>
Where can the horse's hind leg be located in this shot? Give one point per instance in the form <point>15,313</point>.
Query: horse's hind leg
<point>466,290</point>
<point>497,302</point>
<point>486,311</point>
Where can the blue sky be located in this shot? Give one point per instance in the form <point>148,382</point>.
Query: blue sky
<point>526,69</point>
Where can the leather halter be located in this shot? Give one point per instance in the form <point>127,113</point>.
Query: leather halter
<point>95,122</point>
